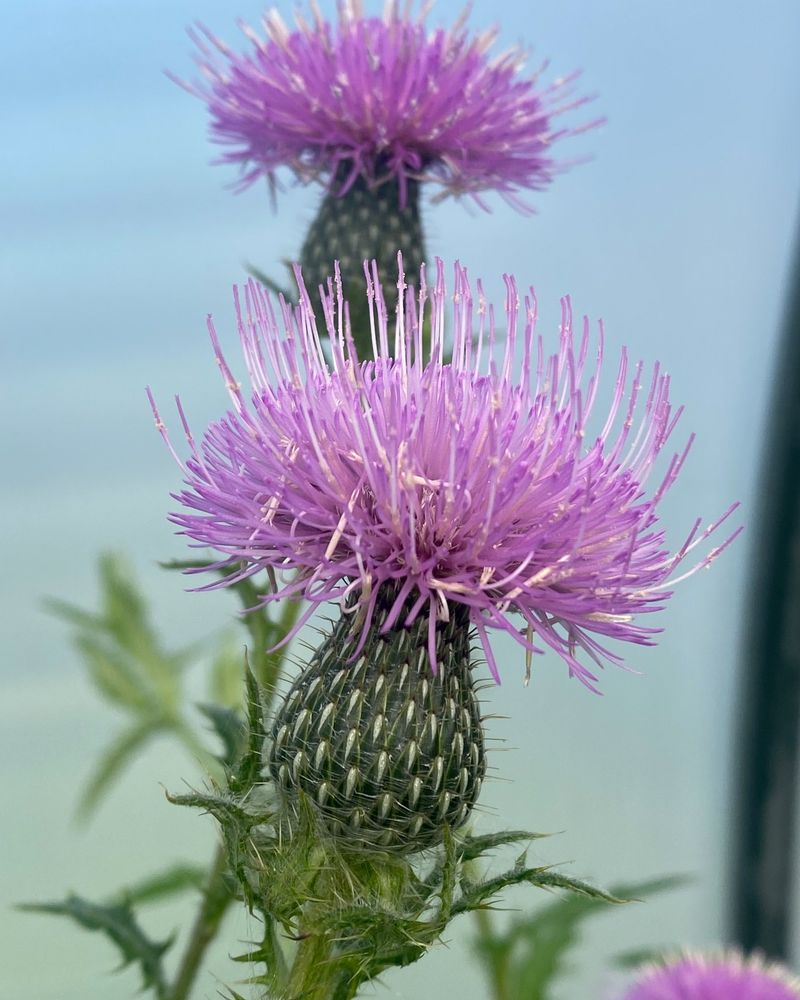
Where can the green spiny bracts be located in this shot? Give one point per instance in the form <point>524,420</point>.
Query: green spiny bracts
<point>389,753</point>
<point>366,223</point>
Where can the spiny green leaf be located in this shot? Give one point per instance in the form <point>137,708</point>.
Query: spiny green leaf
<point>130,668</point>
<point>115,759</point>
<point>124,609</point>
<point>118,923</point>
<point>548,879</point>
<point>476,895</point>
<point>125,659</point>
<point>248,767</point>
<point>636,892</point>
<point>526,959</point>
<point>73,614</point>
<point>114,677</point>
<point>449,876</point>
<point>270,955</point>
<point>472,848</point>
<point>225,810</point>
<point>176,879</point>
<point>229,726</point>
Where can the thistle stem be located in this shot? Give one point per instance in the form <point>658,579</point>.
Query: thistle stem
<point>219,893</point>
<point>308,976</point>
<point>217,897</point>
<point>494,963</point>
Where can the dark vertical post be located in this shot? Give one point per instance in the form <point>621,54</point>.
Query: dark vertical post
<point>766,778</point>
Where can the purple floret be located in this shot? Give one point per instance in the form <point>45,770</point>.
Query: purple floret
<point>426,483</point>
<point>728,976</point>
<point>381,98</point>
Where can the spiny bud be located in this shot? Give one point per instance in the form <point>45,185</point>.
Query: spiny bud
<point>367,222</point>
<point>389,753</point>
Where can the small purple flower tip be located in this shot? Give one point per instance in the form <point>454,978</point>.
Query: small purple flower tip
<point>433,483</point>
<point>725,976</point>
<point>382,97</point>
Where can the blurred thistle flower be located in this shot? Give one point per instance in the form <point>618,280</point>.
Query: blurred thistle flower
<point>728,975</point>
<point>385,99</point>
<point>430,499</point>
<point>370,107</point>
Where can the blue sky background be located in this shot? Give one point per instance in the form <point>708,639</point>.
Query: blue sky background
<point>118,238</point>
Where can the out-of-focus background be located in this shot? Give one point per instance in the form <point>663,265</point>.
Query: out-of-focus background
<point>118,238</point>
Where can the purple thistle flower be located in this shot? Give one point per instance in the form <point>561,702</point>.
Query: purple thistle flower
<point>431,484</point>
<point>381,98</point>
<point>727,976</point>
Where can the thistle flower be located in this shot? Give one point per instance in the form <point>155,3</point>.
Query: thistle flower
<point>371,107</point>
<point>443,484</point>
<point>433,501</point>
<point>384,98</point>
<point>726,976</point>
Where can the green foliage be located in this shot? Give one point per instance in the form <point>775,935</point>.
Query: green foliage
<point>134,672</point>
<point>229,726</point>
<point>476,847</point>
<point>225,678</point>
<point>477,896</point>
<point>234,804</point>
<point>264,632</point>
<point>131,669</point>
<point>351,914</point>
<point>172,881</point>
<point>332,918</point>
<point>524,961</point>
<point>118,923</point>
<point>124,657</point>
<point>115,758</point>
<point>244,775</point>
<point>644,956</point>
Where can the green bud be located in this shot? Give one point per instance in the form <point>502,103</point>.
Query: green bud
<point>389,754</point>
<point>366,223</point>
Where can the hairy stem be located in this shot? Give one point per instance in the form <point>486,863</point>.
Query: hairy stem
<point>217,897</point>
<point>309,978</point>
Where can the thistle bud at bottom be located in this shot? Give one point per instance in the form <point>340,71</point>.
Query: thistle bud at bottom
<point>388,753</point>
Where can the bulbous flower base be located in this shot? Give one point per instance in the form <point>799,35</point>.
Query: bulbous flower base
<point>367,223</point>
<point>388,753</point>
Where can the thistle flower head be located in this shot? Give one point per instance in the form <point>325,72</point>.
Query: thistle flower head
<point>380,98</point>
<point>412,484</point>
<point>726,976</point>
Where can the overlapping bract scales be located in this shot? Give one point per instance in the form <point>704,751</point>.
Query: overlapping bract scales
<point>385,97</point>
<point>443,481</point>
<point>386,753</point>
<point>725,976</point>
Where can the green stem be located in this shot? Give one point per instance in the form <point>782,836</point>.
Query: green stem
<point>217,897</point>
<point>309,977</point>
<point>218,894</point>
<point>493,963</point>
